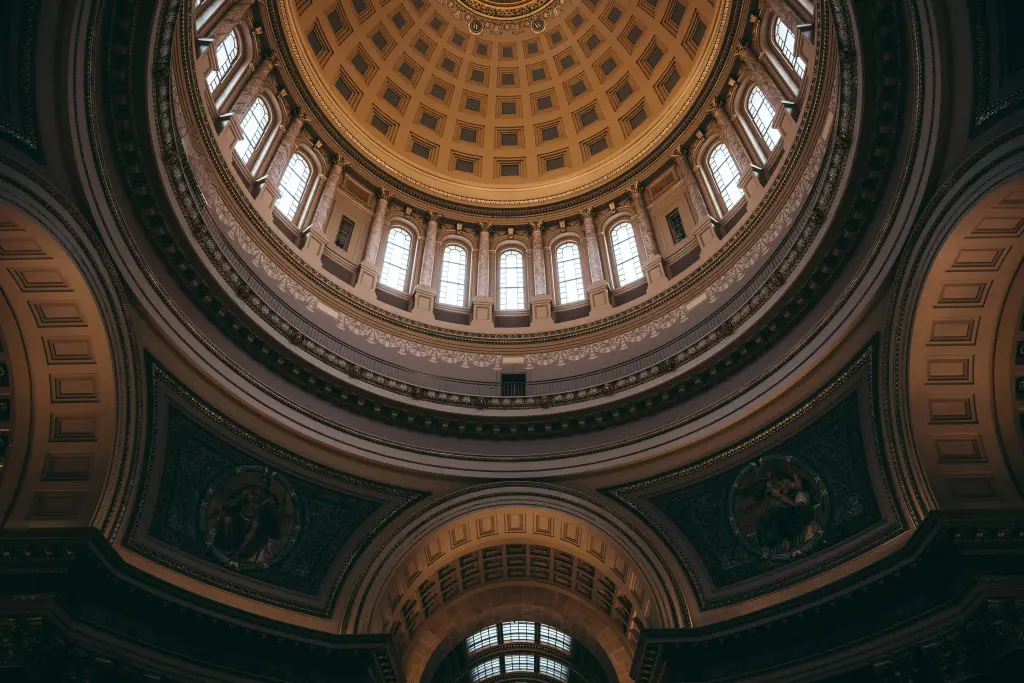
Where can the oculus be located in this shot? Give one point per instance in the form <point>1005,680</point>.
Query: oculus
<point>778,507</point>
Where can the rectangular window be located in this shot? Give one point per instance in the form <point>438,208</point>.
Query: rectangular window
<point>567,62</point>
<point>406,70</point>
<point>476,75</point>
<point>428,120</point>
<point>438,91</point>
<point>392,98</point>
<point>472,104</point>
<point>555,638</point>
<point>420,150</point>
<point>588,117</point>
<point>614,14</point>
<point>515,663</point>
<point>624,91</point>
<point>508,170</point>
<point>517,631</point>
<point>508,78</point>
<point>513,384</point>
<point>553,669</point>
<point>468,135</point>
<point>483,638</point>
<point>578,88</point>
<point>345,232</point>
<point>608,66</point>
<point>675,225</point>
<point>489,669</point>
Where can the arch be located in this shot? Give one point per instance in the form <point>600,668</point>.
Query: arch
<point>453,282</point>
<point>624,253</point>
<point>761,115</point>
<point>293,185</point>
<point>254,126</point>
<point>394,273</point>
<point>62,354</point>
<point>726,176</point>
<point>569,273</point>
<point>784,40</point>
<point>454,622</point>
<point>959,371</point>
<point>511,280</point>
<point>225,56</point>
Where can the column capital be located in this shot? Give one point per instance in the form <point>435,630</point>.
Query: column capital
<point>586,213</point>
<point>636,190</point>
<point>486,227</point>
<point>434,216</point>
<point>536,225</point>
<point>384,195</point>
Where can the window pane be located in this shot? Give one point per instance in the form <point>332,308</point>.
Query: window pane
<point>517,631</point>
<point>625,254</point>
<point>726,175</point>
<point>482,638</point>
<point>452,290</point>
<point>555,638</point>
<point>785,40</point>
<point>512,297</point>
<point>224,55</point>
<point>292,186</point>
<point>396,259</point>
<point>253,125</point>
<point>518,663</point>
<point>489,669</point>
<point>549,667</point>
<point>762,113</point>
<point>570,273</point>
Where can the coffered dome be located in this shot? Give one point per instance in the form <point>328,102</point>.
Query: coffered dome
<point>500,103</point>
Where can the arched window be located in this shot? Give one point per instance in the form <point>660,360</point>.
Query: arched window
<point>511,281</point>
<point>396,259</point>
<point>292,186</point>
<point>452,290</point>
<point>726,175</point>
<point>762,113</point>
<point>253,125</point>
<point>625,254</point>
<point>224,56</point>
<point>785,40</point>
<point>570,273</point>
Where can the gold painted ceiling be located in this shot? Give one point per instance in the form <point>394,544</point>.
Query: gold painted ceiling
<point>504,102</point>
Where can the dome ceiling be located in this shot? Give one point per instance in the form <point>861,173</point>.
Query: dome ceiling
<point>493,102</point>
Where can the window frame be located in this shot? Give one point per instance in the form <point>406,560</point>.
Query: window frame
<point>409,258</point>
<point>222,72</point>
<point>301,197</point>
<point>789,55</point>
<point>719,188</point>
<point>765,141</point>
<point>561,281</point>
<point>256,144</point>
<point>617,263</point>
<point>445,246</point>
<point>499,276</point>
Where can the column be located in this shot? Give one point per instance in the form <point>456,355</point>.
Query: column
<point>597,292</point>
<point>727,130</point>
<point>230,19</point>
<point>541,302</point>
<point>252,89</point>
<point>368,271</point>
<point>429,247</point>
<point>282,154</point>
<point>425,294</point>
<point>704,225</point>
<point>483,303</point>
<point>761,78</point>
<point>540,283</point>
<point>653,267</point>
<point>316,238</point>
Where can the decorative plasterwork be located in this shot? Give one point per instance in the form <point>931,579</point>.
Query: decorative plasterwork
<point>504,16</point>
<point>312,521</point>
<point>691,507</point>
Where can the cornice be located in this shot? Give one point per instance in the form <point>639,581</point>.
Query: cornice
<point>223,314</point>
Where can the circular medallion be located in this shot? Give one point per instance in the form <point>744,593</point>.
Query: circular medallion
<point>249,517</point>
<point>538,24</point>
<point>476,27</point>
<point>505,16</point>
<point>778,507</point>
